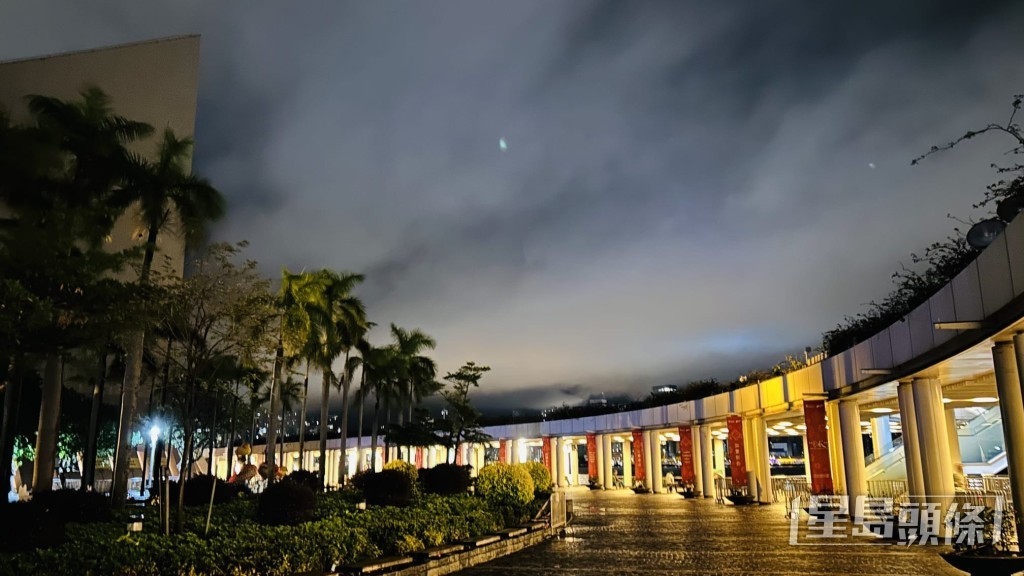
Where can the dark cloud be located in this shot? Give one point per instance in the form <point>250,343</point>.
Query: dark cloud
<point>690,189</point>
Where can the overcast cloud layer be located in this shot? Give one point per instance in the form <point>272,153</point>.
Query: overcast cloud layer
<point>690,189</point>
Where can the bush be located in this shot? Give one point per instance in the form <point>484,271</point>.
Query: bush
<point>405,468</point>
<point>388,488</point>
<point>505,485</point>
<point>358,480</point>
<point>306,478</point>
<point>286,503</point>
<point>74,505</point>
<point>445,479</point>
<point>27,526</point>
<point>197,490</point>
<point>540,476</point>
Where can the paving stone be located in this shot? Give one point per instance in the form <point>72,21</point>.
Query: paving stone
<point>619,532</point>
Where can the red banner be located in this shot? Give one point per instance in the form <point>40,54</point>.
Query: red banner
<point>503,451</point>
<point>817,447</point>
<point>458,455</point>
<point>592,456</point>
<point>737,458</point>
<point>419,457</point>
<point>639,470</point>
<point>545,450</point>
<point>686,473</point>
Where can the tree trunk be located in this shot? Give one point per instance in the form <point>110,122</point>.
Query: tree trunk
<point>275,407</point>
<point>213,435</point>
<point>89,465</point>
<point>387,424</point>
<point>373,434</point>
<point>231,437</point>
<point>130,388</point>
<point>325,398</point>
<point>129,397</point>
<point>302,420</point>
<point>49,419</point>
<point>12,406</point>
<point>179,521</point>
<point>359,438</point>
<point>281,459</point>
<point>346,382</point>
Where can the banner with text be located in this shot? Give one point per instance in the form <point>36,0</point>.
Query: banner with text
<point>545,451</point>
<point>817,447</point>
<point>737,457</point>
<point>592,455</point>
<point>686,473</point>
<point>503,451</point>
<point>639,470</point>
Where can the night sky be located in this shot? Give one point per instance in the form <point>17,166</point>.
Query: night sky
<point>687,189</point>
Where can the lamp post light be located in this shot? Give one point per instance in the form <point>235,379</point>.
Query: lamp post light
<point>154,435</point>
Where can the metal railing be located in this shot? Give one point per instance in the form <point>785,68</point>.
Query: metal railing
<point>895,489</point>
<point>559,511</point>
<point>786,488</point>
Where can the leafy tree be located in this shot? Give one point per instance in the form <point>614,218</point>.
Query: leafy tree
<point>462,423</point>
<point>165,191</point>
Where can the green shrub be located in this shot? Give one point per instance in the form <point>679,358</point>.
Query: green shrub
<point>26,526</point>
<point>74,505</point>
<point>197,490</point>
<point>306,478</point>
<point>388,488</point>
<point>405,468</point>
<point>286,503</point>
<point>539,474</point>
<point>504,484</point>
<point>445,479</point>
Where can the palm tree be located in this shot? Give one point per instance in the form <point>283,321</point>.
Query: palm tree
<point>165,190</point>
<point>345,323</point>
<point>74,207</point>
<point>302,305</point>
<point>416,372</point>
<point>379,368</point>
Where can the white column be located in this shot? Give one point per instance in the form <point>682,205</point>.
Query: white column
<point>954,444</point>
<point>657,480</point>
<point>707,461</point>
<point>1008,365</point>
<point>573,466</point>
<point>764,458</point>
<point>553,446</point>
<point>911,449</point>
<point>807,461</point>
<point>881,435</point>
<point>835,447</point>
<point>932,438</point>
<point>649,482</point>
<point>718,457</point>
<point>606,448</point>
<point>627,462</point>
<point>599,440</point>
<point>431,456</point>
<point>698,460</point>
<point>562,470</point>
<point>853,452</point>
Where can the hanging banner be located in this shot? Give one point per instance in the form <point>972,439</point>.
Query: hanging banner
<point>592,455</point>
<point>817,457</point>
<point>686,469</point>
<point>545,451</point>
<point>639,470</point>
<point>737,458</point>
<point>458,455</point>
<point>503,451</point>
<point>419,457</point>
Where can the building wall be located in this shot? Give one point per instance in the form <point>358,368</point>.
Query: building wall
<point>154,82</point>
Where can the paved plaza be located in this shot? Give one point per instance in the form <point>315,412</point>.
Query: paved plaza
<point>623,533</point>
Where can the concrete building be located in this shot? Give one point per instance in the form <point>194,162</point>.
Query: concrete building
<point>154,82</point>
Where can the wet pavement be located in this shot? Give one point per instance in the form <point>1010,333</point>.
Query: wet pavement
<point>624,533</point>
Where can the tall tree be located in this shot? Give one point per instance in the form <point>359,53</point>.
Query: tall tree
<point>62,203</point>
<point>166,191</point>
<point>463,421</point>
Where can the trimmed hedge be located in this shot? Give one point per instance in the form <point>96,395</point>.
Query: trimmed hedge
<point>405,468</point>
<point>505,484</point>
<point>388,488</point>
<point>445,479</point>
<point>237,546</point>
<point>540,475</point>
<point>306,478</point>
<point>286,503</point>
<point>197,490</point>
